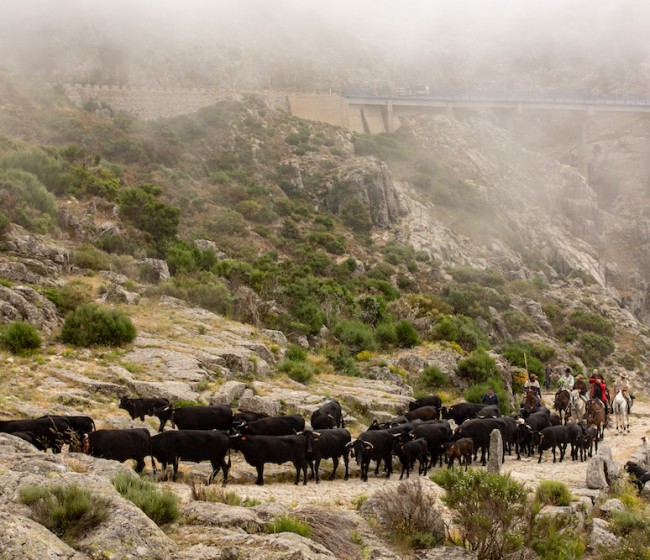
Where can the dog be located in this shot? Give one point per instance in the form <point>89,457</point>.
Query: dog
<point>641,475</point>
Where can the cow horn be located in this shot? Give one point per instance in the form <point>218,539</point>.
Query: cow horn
<point>350,443</point>
<point>369,444</point>
<point>396,435</point>
<point>298,433</point>
<point>317,434</point>
<point>330,416</point>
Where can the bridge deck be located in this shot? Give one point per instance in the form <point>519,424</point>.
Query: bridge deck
<point>628,103</point>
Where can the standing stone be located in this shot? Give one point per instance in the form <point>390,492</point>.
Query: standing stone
<point>496,452</point>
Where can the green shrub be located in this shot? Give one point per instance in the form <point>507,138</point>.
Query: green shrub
<point>459,329</point>
<point>161,506</point>
<point>520,353</point>
<point>386,334</point>
<point>301,371</point>
<point>433,377</point>
<point>203,290</point>
<point>288,524</point>
<point>355,335</point>
<point>69,511</point>
<point>20,337</point>
<point>91,324</point>
<point>584,320</point>
<point>343,362</point>
<point>296,353</point>
<point>488,508</point>
<point>556,537</point>
<point>467,275</point>
<point>477,367</point>
<point>594,348</point>
<point>69,296</point>
<point>91,258</point>
<point>227,222</point>
<point>553,493</point>
<point>407,336</point>
<point>50,171</point>
<point>26,201</point>
<point>475,394</point>
<point>142,208</point>
<point>517,322</point>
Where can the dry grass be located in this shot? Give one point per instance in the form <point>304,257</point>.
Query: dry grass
<point>332,531</point>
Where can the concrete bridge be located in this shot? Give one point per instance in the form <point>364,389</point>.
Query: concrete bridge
<point>374,114</point>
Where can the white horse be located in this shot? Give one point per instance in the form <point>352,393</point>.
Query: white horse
<point>620,410</point>
<point>578,405</point>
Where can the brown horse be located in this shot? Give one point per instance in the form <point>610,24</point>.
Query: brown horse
<point>595,416</point>
<point>530,403</point>
<point>562,405</point>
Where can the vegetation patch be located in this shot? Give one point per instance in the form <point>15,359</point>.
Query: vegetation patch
<point>161,506</point>
<point>69,511</point>
<point>91,324</point>
<point>20,337</point>
<point>288,524</point>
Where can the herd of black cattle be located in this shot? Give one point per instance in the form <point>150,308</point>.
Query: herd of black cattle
<point>428,433</point>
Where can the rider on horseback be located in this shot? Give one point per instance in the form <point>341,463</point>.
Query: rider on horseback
<point>533,385</point>
<point>565,383</point>
<point>599,390</point>
<point>622,386</point>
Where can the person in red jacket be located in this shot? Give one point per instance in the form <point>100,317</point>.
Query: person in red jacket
<point>599,391</point>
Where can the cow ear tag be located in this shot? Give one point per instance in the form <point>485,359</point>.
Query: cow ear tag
<point>244,438</point>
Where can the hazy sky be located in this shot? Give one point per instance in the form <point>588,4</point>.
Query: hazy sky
<point>83,34</point>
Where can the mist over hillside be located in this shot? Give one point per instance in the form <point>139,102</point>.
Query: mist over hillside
<point>462,46</point>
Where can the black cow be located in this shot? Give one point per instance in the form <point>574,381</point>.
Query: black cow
<point>375,445</point>
<point>461,411</point>
<point>289,424</point>
<point>589,439</point>
<point>49,432</point>
<point>423,413</point>
<point>139,408</point>
<point>328,416</point>
<point>239,418</point>
<point>77,426</point>
<point>528,431</point>
<point>330,444</point>
<point>559,437</point>
<point>489,411</point>
<point>410,451</point>
<point>479,429</point>
<point>195,446</point>
<point>217,417</point>
<point>258,450</point>
<point>436,435</point>
<point>429,400</point>
<point>118,445</point>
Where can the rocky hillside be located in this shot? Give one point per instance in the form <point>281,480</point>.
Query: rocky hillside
<point>273,264</point>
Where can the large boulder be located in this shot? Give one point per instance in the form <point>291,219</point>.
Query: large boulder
<point>22,303</point>
<point>602,470</point>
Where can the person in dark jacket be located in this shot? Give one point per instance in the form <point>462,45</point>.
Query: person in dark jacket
<point>490,397</point>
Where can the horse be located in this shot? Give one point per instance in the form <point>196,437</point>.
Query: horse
<point>530,403</point>
<point>621,412</point>
<point>578,405</point>
<point>595,416</point>
<point>562,405</point>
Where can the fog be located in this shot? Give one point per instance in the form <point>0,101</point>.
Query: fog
<point>468,44</point>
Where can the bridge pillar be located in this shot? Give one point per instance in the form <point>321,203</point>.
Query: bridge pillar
<point>583,156</point>
<point>389,116</point>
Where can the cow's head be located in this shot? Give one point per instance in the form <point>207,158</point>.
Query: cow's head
<point>125,402</point>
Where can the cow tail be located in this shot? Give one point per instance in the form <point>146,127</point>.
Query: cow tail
<point>229,461</point>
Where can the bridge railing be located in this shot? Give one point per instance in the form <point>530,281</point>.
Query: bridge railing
<point>587,99</point>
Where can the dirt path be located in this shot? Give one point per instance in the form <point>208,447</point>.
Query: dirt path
<point>340,493</point>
